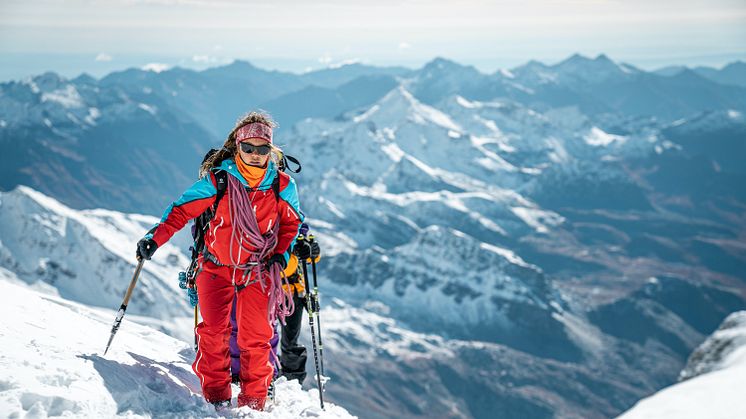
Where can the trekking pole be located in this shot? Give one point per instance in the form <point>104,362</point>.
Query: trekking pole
<point>317,308</point>
<point>123,307</point>
<point>309,308</point>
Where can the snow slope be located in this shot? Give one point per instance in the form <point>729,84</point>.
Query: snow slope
<point>52,365</point>
<point>714,380</point>
<point>88,256</point>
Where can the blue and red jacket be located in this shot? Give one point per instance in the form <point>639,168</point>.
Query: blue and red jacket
<point>269,211</point>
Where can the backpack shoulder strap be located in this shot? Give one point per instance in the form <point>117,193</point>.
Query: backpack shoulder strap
<point>276,186</point>
<point>203,220</point>
<point>221,184</point>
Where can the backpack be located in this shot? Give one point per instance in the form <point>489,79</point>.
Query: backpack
<point>202,222</point>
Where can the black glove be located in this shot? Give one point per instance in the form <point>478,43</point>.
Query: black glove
<point>145,248</point>
<point>305,249</point>
<point>315,249</point>
<point>302,249</point>
<point>278,259</point>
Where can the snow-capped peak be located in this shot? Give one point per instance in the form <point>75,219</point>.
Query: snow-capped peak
<point>156,67</point>
<point>440,65</point>
<point>574,69</point>
<point>593,70</point>
<point>66,96</point>
<point>46,82</point>
<point>399,105</point>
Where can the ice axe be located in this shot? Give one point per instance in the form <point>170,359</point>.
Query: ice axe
<point>123,307</point>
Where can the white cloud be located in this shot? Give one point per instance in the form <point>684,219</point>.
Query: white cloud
<point>202,59</point>
<point>103,57</point>
<point>404,46</point>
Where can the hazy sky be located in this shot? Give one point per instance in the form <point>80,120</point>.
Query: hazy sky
<point>71,36</point>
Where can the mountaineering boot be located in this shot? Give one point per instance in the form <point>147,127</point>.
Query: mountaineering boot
<point>271,391</point>
<point>255,403</point>
<point>222,405</point>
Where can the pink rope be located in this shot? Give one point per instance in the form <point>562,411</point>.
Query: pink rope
<point>258,247</point>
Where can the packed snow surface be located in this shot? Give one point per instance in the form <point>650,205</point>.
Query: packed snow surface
<point>718,392</point>
<point>53,365</point>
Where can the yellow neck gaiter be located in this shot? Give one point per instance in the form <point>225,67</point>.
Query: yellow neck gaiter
<point>252,174</point>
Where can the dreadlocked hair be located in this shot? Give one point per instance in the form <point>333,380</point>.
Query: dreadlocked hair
<point>230,149</point>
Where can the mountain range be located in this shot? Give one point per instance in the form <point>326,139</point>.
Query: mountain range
<point>545,241</point>
<point>732,73</point>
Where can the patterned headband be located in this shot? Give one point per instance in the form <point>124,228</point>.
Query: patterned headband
<point>254,130</point>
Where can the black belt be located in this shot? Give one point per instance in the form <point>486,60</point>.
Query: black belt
<point>212,258</point>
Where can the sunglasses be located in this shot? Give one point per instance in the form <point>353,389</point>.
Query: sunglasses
<point>262,150</point>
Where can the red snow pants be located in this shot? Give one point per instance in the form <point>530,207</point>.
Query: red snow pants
<point>212,365</point>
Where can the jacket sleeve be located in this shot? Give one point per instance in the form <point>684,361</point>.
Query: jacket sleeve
<point>291,218</point>
<point>193,202</point>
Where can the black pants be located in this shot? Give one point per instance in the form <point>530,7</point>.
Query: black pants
<point>293,356</point>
